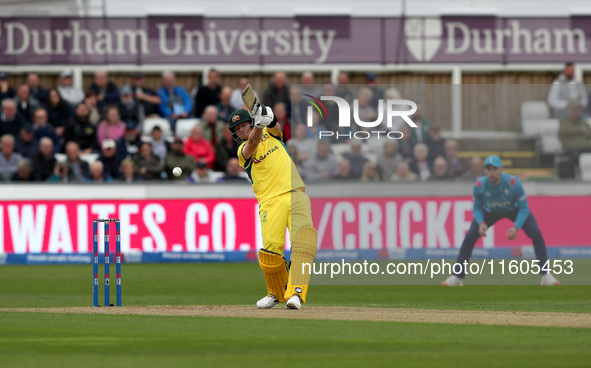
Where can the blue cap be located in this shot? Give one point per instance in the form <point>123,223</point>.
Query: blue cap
<point>494,161</point>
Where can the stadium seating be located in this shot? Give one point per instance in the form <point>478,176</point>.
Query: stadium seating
<point>184,127</point>
<point>534,128</point>
<point>585,166</point>
<point>534,110</point>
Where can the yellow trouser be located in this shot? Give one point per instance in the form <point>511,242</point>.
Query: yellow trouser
<point>291,210</point>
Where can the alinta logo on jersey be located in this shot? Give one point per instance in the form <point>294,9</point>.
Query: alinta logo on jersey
<point>366,129</point>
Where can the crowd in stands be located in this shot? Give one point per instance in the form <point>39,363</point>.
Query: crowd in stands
<point>65,134</point>
<point>569,103</point>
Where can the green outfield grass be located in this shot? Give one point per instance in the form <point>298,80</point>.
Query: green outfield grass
<point>70,340</point>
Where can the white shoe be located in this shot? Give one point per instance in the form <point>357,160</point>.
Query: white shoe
<point>453,280</point>
<point>549,280</point>
<point>267,302</point>
<point>294,302</point>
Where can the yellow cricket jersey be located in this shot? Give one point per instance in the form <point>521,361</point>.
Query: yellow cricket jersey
<point>270,168</point>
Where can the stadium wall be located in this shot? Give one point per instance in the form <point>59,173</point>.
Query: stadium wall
<point>183,223</point>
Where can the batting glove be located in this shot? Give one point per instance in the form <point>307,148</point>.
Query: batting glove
<point>263,117</point>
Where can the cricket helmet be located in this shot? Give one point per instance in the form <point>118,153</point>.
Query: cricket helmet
<point>236,118</point>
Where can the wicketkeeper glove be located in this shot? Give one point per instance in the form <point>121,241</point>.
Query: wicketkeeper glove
<point>264,117</point>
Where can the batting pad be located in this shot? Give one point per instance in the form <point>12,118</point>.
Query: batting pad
<point>303,250</point>
<point>273,266</point>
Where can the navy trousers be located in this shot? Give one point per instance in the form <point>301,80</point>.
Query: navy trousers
<point>530,227</point>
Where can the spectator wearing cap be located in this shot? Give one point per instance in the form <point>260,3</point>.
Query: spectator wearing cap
<point>8,158</point>
<point>356,159</point>
<point>77,167</point>
<point>575,136</point>
<point>58,111</point>
<point>25,171</point>
<point>6,91</point>
<point>25,103</point>
<point>322,165</point>
<point>129,144</point>
<point>225,149</point>
<point>97,174</point>
<point>278,90</point>
<point>79,129</point>
<point>234,173</point>
<point>106,91</point>
<point>566,88</point>
<point>35,89</point>
<point>43,128</point>
<point>10,121</point>
<point>224,107</point>
<point>198,147</point>
<point>160,146</point>
<point>208,94</point>
<point>236,98</point>
<point>147,98</point>
<point>175,101</point>
<point>388,162</point>
<point>128,172</point>
<point>67,90</point>
<point>44,161</point>
<point>212,126</point>
<point>202,174</point>
<point>110,158</point>
<point>147,164</point>
<point>420,164</point>
<point>25,143</point>
<point>177,158</point>
<point>112,127</point>
<point>372,81</point>
<point>129,108</point>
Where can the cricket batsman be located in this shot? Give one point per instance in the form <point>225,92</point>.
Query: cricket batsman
<point>283,203</point>
<point>497,196</point>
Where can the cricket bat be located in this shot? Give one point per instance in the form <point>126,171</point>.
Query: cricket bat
<point>250,100</point>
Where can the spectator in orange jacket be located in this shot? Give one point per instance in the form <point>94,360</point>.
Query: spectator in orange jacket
<point>199,148</point>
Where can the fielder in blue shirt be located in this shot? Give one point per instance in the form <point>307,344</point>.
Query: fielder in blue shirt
<point>498,196</point>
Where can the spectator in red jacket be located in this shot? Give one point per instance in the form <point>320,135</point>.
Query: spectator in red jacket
<point>199,148</point>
